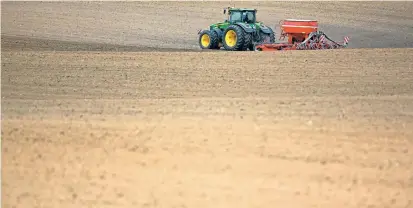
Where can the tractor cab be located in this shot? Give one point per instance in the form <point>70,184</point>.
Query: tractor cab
<point>240,15</point>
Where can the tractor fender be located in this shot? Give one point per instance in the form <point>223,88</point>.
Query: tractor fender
<point>247,28</point>
<point>266,29</point>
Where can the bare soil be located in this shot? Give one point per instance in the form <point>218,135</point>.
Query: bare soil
<point>93,118</point>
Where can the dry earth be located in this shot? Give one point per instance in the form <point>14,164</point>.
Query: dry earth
<point>175,24</point>
<point>84,125</point>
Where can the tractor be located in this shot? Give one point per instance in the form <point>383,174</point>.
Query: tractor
<point>239,32</point>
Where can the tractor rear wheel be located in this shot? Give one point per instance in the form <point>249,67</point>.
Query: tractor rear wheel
<point>233,39</point>
<point>267,38</point>
<point>208,40</point>
<point>248,42</point>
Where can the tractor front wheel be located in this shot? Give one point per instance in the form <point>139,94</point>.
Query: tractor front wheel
<point>208,40</point>
<point>234,38</point>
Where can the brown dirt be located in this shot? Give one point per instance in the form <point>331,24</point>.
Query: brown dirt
<point>175,24</point>
<point>86,126</point>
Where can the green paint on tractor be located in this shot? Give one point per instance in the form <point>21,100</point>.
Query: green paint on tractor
<point>239,32</point>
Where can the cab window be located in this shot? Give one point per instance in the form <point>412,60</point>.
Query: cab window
<point>235,16</point>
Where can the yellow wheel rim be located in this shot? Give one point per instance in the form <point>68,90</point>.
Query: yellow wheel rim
<point>231,38</point>
<point>205,40</point>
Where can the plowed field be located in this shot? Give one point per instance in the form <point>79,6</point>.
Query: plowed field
<point>111,104</point>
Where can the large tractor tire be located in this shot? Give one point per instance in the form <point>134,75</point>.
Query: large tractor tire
<point>208,40</point>
<point>267,38</point>
<point>234,38</point>
<point>248,42</point>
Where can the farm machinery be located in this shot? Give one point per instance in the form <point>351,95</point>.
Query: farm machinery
<point>241,31</point>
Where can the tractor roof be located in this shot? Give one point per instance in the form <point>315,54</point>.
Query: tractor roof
<point>241,9</point>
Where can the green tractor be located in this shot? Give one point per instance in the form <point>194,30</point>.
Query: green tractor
<point>240,32</point>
